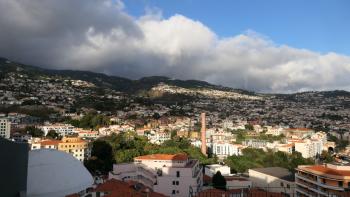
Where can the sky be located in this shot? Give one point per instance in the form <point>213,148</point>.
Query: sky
<point>264,46</point>
<point>318,25</point>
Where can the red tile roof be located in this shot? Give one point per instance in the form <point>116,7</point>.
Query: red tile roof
<point>117,188</point>
<point>50,142</point>
<point>174,157</point>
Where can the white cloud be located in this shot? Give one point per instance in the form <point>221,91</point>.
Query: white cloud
<point>100,36</point>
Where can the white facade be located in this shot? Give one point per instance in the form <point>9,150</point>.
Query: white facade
<point>62,129</point>
<point>5,128</point>
<point>224,149</point>
<point>87,134</point>
<point>159,137</point>
<point>210,170</point>
<point>276,131</point>
<point>171,175</point>
<point>309,148</point>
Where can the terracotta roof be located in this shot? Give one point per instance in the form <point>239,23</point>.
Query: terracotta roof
<point>324,170</point>
<point>117,188</point>
<point>175,157</point>
<point>49,142</point>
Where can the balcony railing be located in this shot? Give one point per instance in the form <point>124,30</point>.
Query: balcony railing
<point>299,191</point>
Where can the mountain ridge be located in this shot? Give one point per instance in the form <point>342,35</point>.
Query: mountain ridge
<point>132,86</point>
<point>111,81</point>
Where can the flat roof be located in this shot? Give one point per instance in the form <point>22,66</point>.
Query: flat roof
<point>323,170</point>
<point>173,157</point>
<point>281,173</point>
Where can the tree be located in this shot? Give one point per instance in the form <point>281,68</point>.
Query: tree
<point>249,127</point>
<point>101,158</point>
<point>219,181</point>
<point>34,132</point>
<point>173,134</point>
<point>52,134</point>
<point>326,157</point>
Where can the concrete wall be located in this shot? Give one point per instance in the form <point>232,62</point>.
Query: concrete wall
<point>271,183</point>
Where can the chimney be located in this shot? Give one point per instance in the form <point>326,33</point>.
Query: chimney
<point>203,135</point>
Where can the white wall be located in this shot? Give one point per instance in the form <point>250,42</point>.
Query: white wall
<point>270,183</point>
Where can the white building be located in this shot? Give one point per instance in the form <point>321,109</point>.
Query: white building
<point>87,133</point>
<point>276,131</point>
<point>273,179</point>
<point>158,137</point>
<point>210,170</point>
<point>225,149</point>
<point>309,148</point>
<point>61,129</point>
<point>5,128</point>
<point>171,175</point>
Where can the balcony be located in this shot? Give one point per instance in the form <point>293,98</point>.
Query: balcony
<point>318,183</point>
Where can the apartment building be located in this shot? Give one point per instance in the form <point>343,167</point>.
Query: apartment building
<point>309,147</point>
<point>225,149</point>
<point>323,180</point>
<point>5,128</point>
<point>158,137</point>
<point>62,129</point>
<point>168,174</point>
<point>72,145</point>
<point>75,146</point>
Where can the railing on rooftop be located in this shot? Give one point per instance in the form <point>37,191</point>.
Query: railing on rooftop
<point>209,191</point>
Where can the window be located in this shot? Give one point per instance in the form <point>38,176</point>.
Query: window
<point>288,186</point>
<point>173,182</point>
<point>173,192</point>
<point>282,184</point>
<point>177,182</point>
<point>340,183</point>
<point>177,173</point>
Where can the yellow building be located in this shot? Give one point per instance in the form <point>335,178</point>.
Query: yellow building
<point>75,146</point>
<point>195,134</point>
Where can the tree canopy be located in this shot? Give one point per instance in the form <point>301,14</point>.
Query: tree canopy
<point>101,158</point>
<point>91,121</point>
<point>257,158</point>
<point>34,132</point>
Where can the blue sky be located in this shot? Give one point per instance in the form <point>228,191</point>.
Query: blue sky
<point>318,25</point>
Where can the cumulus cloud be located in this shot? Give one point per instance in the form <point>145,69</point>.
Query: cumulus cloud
<point>100,36</point>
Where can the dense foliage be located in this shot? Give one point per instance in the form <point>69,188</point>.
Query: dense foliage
<point>101,160</point>
<point>125,146</point>
<point>34,132</point>
<point>256,158</point>
<point>340,144</point>
<point>90,121</point>
<point>241,135</point>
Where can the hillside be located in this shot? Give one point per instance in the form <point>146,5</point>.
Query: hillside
<point>106,81</point>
